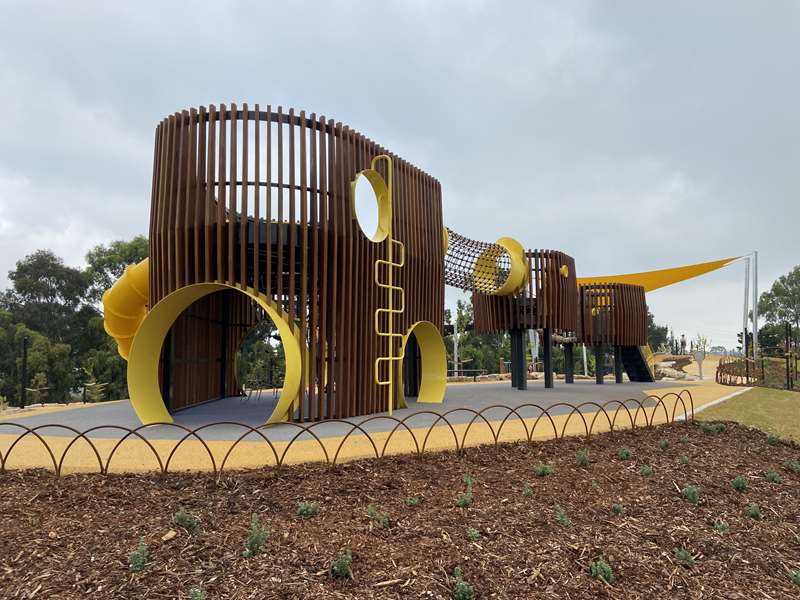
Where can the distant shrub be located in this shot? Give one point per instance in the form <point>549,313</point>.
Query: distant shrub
<point>139,557</point>
<point>256,536</point>
<point>663,444</point>
<point>772,476</point>
<point>773,440</point>
<point>562,517</point>
<point>739,483</point>
<point>412,501</point>
<point>795,577</point>
<point>582,458</point>
<point>462,590</point>
<point>307,509</point>
<point>683,459</point>
<point>543,470</point>
<point>189,522</point>
<point>793,466</point>
<point>691,493</point>
<point>712,427</point>
<point>473,535</point>
<point>721,527</point>
<point>624,454</point>
<point>617,509</point>
<point>342,564</point>
<point>646,471</point>
<point>684,439</point>
<point>684,557</point>
<point>754,512</point>
<point>527,490</point>
<point>381,518</point>
<point>600,569</point>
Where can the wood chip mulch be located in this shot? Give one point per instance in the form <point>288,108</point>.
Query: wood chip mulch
<point>71,538</point>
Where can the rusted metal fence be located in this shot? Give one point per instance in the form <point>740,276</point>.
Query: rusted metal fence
<point>589,416</point>
<point>772,372</point>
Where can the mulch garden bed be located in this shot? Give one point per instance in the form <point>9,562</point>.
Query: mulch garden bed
<point>534,536</point>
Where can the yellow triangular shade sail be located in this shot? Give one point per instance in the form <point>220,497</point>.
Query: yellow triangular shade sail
<point>652,280</point>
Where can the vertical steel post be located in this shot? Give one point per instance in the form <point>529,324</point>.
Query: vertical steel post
<point>599,363</point>
<point>23,385</point>
<point>617,363</point>
<point>755,304</point>
<point>569,363</point>
<point>547,338</point>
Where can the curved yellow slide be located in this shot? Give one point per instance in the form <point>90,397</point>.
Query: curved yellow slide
<point>125,305</point>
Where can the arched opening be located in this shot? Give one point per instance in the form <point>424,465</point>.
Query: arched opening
<point>261,364</point>
<point>423,371</point>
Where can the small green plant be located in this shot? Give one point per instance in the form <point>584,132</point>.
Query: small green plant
<point>600,569</point>
<point>543,470</point>
<point>646,471</point>
<point>684,439</point>
<point>197,594</point>
<point>139,557</point>
<point>773,440</point>
<point>721,527</point>
<point>684,557</point>
<point>256,536</point>
<point>465,500</point>
<point>739,483</point>
<point>683,459</point>
<point>617,509</point>
<point>562,517</point>
<point>342,565</point>
<point>712,427</point>
<point>754,512</point>
<point>473,535</point>
<point>527,490</point>
<point>795,577</point>
<point>307,509</point>
<point>793,466</point>
<point>691,493</point>
<point>412,501</point>
<point>663,444</point>
<point>582,458</point>
<point>772,476</point>
<point>462,590</point>
<point>624,454</point>
<point>189,522</point>
<point>381,518</point>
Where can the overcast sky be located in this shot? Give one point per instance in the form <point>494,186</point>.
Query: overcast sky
<point>631,135</point>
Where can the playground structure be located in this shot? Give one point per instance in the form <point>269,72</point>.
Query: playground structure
<point>253,217</point>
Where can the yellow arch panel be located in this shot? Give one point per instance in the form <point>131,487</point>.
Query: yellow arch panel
<point>433,363</point>
<point>143,387</point>
<point>652,280</point>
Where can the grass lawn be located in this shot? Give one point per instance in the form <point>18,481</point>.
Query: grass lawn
<point>773,411</point>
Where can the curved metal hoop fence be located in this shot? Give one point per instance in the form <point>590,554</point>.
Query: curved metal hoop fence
<point>465,427</point>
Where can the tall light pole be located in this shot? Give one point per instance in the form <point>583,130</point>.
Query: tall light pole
<point>746,308</point>
<point>755,303</point>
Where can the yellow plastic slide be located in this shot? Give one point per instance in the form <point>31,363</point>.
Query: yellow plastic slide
<point>125,305</point>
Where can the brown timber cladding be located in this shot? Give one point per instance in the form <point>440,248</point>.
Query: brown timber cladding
<point>613,313</point>
<point>548,299</point>
<point>261,198</point>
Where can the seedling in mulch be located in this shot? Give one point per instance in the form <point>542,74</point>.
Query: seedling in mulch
<point>646,471</point>
<point>381,518</point>
<point>527,490</point>
<point>139,557</point>
<point>189,522</point>
<point>683,459</point>
<point>684,439</point>
<point>739,483</point>
<point>562,517</point>
<point>582,458</point>
<point>543,470</point>
<point>772,476</point>
<point>721,527</point>
<point>256,536</point>
<point>712,427</point>
<point>617,509</point>
<point>473,535</point>
<point>793,466</point>
<point>600,569</point>
<point>684,557</point>
<point>754,512</point>
<point>795,577</point>
<point>773,440</point>
<point>624,454</point>
<point>307,509</point>
<point>342,564</point>
<point>663,444</point>
<point>197,594</point>
<point>462,590</point>
<point>412,501</point>
<point>691,493</point>
<point>465,500</point>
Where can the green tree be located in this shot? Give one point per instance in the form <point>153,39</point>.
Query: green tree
<point>657,335</point>
<point>781,304</point>
<point>106,264</point>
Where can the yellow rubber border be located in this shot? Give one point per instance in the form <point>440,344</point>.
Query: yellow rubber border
<point>143,384</point>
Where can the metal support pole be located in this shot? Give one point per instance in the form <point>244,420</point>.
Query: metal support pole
<point>599,363</point>
<point>755,304</point>
<point>569,363</point>
<point>585,362</point>
<point>455,347</point>
<point>23,384</point>
<point>519,371</point>
<point>617,363</point>
<point>547,341</point>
